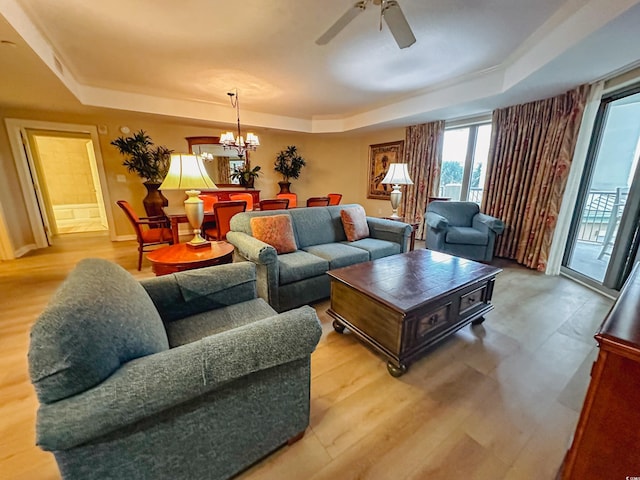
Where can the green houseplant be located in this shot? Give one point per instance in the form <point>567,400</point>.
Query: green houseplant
<point>288,164</point>
<point>150,162</point>
<point>245,174</point>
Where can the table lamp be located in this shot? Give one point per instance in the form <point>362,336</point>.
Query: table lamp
<point>186,172</point>
<point>397,175</point>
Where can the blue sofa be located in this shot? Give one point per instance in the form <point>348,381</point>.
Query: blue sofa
<point>185,376</point>
<point>292,279</point>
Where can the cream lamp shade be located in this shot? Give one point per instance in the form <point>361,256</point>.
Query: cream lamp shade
<point>397,175</point>
<point>187,172</point>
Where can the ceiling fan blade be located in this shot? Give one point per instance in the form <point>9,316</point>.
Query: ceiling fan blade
<point>342,22</point>
<point>398,24</point>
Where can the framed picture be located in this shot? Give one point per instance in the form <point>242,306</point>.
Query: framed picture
<point>380,157</point>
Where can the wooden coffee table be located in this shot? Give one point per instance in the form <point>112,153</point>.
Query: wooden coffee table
<point>179,257</point>
<point>403,304</point>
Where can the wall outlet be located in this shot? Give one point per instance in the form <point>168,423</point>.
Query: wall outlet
<point>121,179</point>
<point>379,211</point>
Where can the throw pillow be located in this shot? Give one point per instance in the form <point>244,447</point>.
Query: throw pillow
<point>354,221</point>
<point>276,230</point>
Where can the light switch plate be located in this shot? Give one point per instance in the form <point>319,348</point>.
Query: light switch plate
<point>121,179</point>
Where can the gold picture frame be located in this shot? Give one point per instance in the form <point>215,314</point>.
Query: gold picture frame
<point>380,157</point>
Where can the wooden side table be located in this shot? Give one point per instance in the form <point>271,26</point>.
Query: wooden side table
<point>414,229</point>
<point>179,257</point>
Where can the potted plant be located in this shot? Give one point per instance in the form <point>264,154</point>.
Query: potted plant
<point>288,164</point>
<point>150,162</point>
<point>245,174</point>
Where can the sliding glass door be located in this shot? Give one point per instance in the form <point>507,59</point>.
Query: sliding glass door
<point>604,236</point>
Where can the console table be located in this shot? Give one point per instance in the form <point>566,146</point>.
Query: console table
<point>605,444</point>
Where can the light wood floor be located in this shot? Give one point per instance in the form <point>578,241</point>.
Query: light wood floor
<point>498,401</point>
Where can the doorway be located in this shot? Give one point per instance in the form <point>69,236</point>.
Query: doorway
<point>67,174</point>
<point>603,239</point>
<point>40,214</point>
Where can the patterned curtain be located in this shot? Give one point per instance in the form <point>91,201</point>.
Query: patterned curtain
<point>529,158</point>
<point>423,155</point>
<point>224,171</point>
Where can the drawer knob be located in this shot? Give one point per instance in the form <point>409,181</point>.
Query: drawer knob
<point>433,319</point>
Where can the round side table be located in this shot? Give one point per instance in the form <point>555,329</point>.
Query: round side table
<point>179,257</point>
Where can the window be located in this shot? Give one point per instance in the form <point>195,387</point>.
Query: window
<point>464,162</point>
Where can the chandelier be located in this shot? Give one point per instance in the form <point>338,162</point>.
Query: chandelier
<point>239,143</point>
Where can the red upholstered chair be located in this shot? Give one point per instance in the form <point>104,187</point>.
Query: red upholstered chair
<point>334,198</point>
<point>274,204</point>
<point>223,211</point>
<point>209,200</point>
<point>317,202</point>
<point>293,199</point>
<point>246,197</point>
<point>147,236</point>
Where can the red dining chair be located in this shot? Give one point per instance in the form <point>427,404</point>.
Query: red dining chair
<point>223,211</point>
<point>293,199</point>
<point>317,202</point>
<point>209,201</point>
<point>247,197</point>
<point>146,235</point>
<point>334,198</point>
<point>274,204</point>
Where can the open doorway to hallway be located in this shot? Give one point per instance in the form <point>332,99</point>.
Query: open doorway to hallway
<point>67,174</point>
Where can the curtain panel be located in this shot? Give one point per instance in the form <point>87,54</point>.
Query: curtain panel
<point>224,169</point>
<point>423,155</point>
<point>531,149</point>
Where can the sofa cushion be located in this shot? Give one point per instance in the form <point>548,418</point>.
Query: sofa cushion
<point>338,254</point>
<point>354,222</point>
<point>466,235</point>
<point>376,248</point>
<point>276,230</point>
<point>195,327</point>
<point>313,226</point>
<point>300,265</point>
<point>100,318</point>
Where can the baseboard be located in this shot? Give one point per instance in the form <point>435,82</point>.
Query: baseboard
<point>24,250</point>
<point>124,238</point>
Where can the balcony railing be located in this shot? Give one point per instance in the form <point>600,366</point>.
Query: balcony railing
<point>595,216</point>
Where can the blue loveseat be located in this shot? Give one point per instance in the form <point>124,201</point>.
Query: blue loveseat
<point>185,376</point>
<point>292,279</point>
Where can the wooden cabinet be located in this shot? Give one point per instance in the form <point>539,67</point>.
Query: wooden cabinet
<point>606,444</point>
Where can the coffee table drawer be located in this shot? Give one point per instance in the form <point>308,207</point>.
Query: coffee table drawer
<point>472,300</point>
<point>431,321</point>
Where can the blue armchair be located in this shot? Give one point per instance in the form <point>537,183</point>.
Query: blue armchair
<point>185,376</point>
<point>458,228</point>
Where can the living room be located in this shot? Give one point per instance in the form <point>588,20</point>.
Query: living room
<point>337,160</point>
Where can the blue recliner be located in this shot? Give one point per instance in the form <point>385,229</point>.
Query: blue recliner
<point>458,228</point>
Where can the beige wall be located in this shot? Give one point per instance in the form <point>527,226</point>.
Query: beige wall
<point>335,163</point>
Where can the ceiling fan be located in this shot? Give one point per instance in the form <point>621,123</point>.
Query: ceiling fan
<point>389,10</point>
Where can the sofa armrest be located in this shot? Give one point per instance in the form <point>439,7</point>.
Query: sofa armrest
<point>389,230</point>
<point>252,249</point>
<point>146,386</point>
<point>435,221</point>
<point>482,221</point>
<point>191,292</point>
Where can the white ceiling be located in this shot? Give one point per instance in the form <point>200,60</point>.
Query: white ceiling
<point>181,58</point>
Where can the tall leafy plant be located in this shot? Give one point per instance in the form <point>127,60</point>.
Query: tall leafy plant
<point>150,162</point>
<point>289,163</point>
